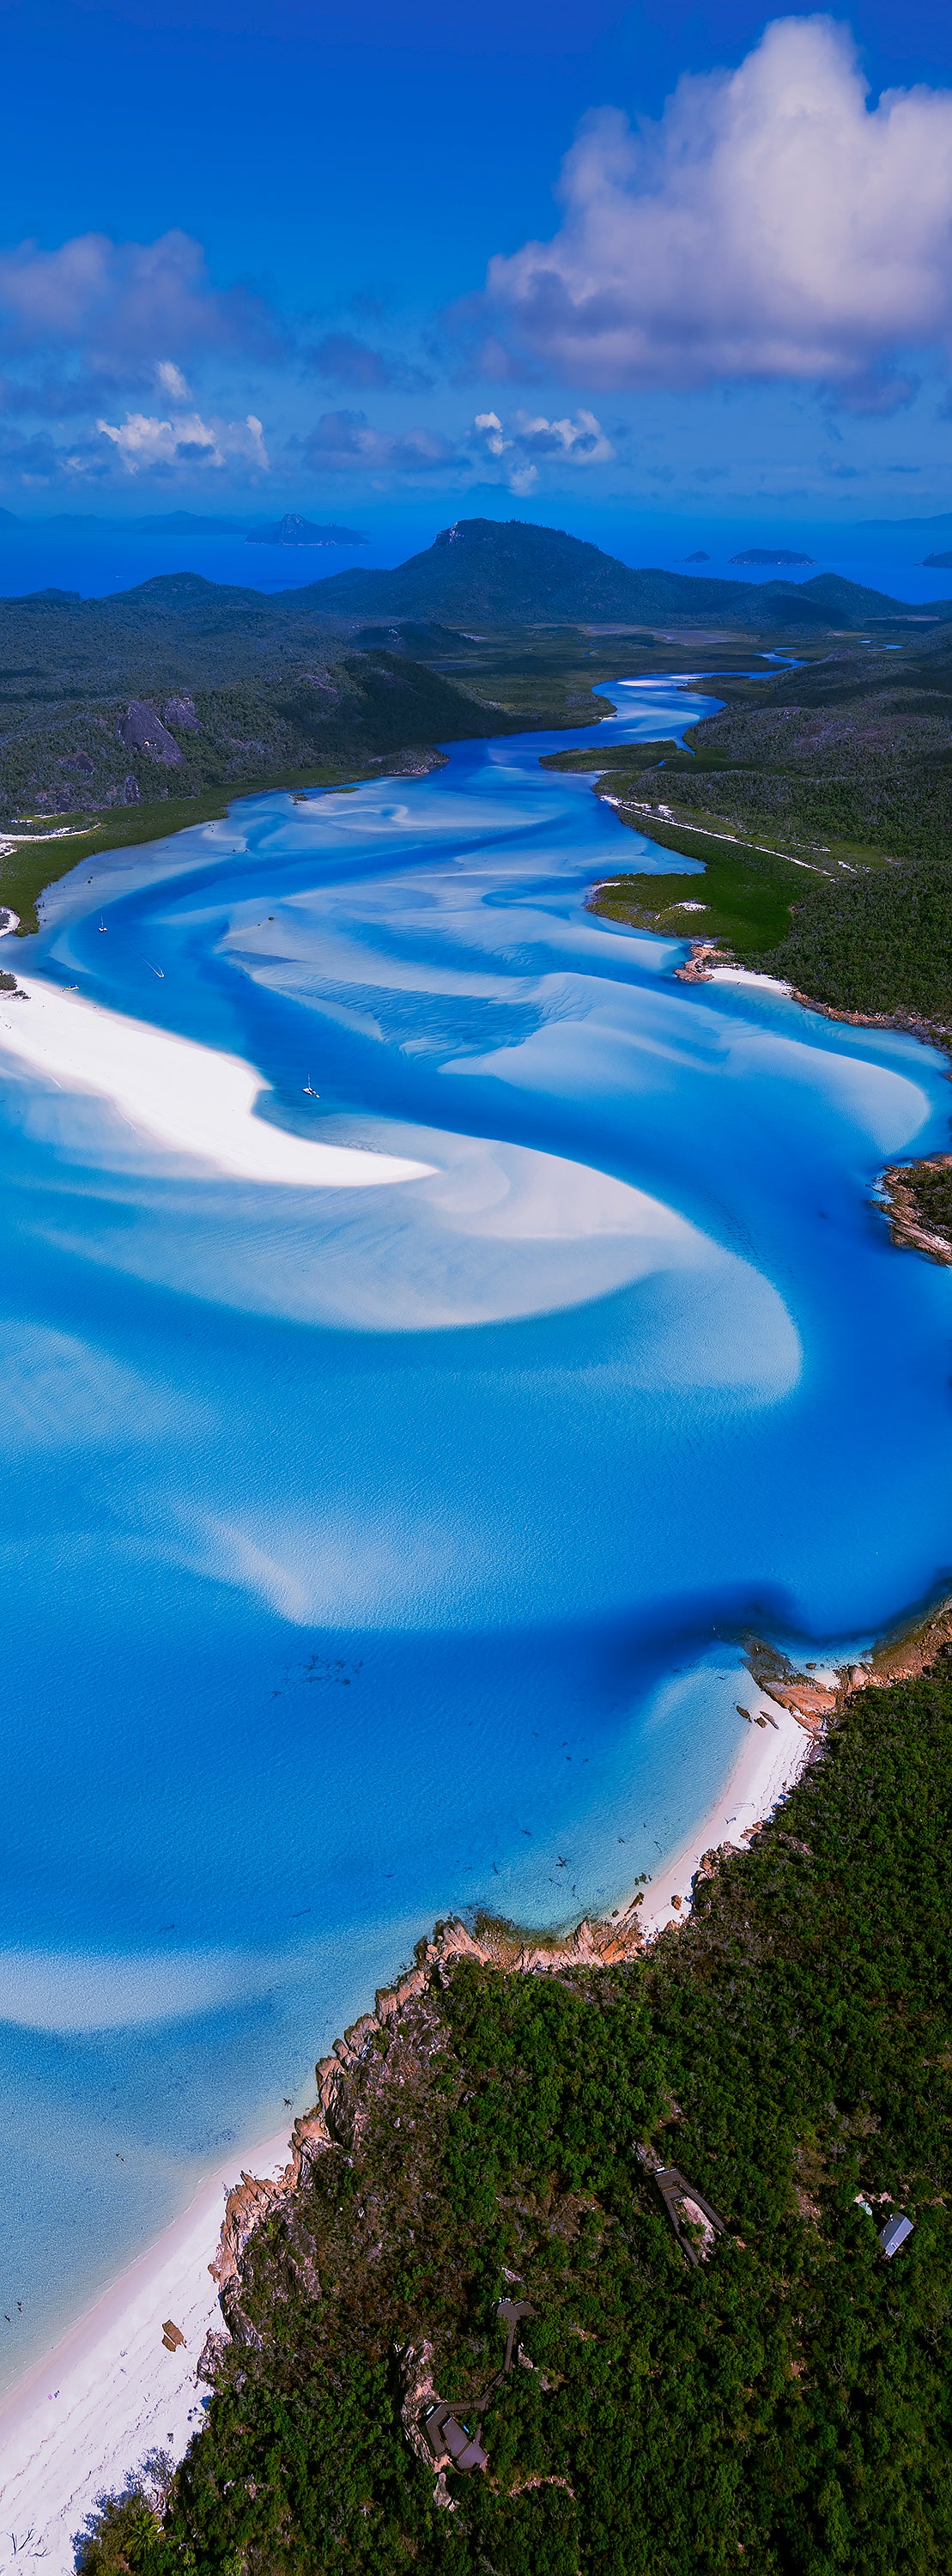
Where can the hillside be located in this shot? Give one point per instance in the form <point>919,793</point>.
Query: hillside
<point>515,573</point>
<point>488,2136</point>
<point>138,713</point>
<point>131,713</point>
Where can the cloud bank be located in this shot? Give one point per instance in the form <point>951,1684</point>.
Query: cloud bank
<point>771,225</point>
<point>127,303</point>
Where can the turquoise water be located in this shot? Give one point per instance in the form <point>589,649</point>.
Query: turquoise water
<point>345,1533</point>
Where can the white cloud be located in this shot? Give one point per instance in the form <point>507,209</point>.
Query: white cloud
<point>143,441</point>
<point>489,428</point>
<point>171,381</point>
<point>531,436</point>
<point>770,225</point>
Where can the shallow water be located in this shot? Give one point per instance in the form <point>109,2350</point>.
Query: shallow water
<point>345,1530</point>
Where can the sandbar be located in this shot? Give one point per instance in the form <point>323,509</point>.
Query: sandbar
<point>178,1095</point>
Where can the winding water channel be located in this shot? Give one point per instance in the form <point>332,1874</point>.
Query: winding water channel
<point>373,1551</point>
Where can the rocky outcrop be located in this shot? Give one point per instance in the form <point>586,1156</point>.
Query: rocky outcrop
<point>900,1658</point>
<point>705,955</point>
<point>180,712</point>
<point>249,2205</point>
<point>140,729</point>
<point>907,1222</point>
<point>811,1702</point>
<point>336,2118</point>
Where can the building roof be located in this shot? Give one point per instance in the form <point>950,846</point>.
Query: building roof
<point>895,2233</point>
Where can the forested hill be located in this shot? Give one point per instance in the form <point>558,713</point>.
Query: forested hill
<point>514,573</point>
<point>782,2406</point>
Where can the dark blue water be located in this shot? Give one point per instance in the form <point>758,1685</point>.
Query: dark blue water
<point>372,1553</point>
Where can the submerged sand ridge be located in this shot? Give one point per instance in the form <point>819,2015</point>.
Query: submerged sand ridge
<point>492,1229</point>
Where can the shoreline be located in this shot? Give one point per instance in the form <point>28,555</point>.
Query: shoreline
<point>709,963</point>
<point>896,1195</point>
<point>111,2370</point>
<point>89,2410</point>
<point>768,1765</point>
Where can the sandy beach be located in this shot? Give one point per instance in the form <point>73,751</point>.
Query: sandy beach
<point>769,1761</point>
<point>187,1098</point>
<point>110,2393</point>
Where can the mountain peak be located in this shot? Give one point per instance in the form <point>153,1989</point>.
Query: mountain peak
<point>511,572</point>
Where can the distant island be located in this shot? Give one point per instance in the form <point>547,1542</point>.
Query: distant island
<point>937,563</point>
<point>511,572</point>
<point>698,556</point>
<point>768,555</point>
<point>292,530</point>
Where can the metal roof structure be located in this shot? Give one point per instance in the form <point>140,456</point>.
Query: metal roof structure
<point>895,2233</point>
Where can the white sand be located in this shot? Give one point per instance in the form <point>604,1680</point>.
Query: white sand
<point>110,2392</point>
<point>188,1098</point>
<point>769,1761</point>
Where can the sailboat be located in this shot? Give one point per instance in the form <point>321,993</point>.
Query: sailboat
<point>311,1093</point>
<point>102,925</point>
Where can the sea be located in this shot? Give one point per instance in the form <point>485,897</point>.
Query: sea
<point>327,1511</point>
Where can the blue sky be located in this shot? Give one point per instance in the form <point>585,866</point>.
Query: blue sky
<point>523,256</point>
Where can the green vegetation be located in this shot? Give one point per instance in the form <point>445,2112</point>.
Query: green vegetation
<point>785,2407</point>
<point>842,768</point>
<point>876,943</point>
<point>743,899</point>
<point>628,759</point>
<point>917,1198</point>
<point>125,718</point>
<point>929,1186</point>
<point>128,702</point>
<point>510,572</point>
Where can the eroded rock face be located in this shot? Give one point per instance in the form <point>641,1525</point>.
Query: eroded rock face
<point>180,712</point>
<point>140,729</point>
<point>211,2356</point>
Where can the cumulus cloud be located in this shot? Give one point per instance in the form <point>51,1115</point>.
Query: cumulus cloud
<point>341,359</point>
<point>144,442</point>
<point>344,441</point>
<point>771,225</point>
<point>581,441</point>
<point>126,302</point>
<point>531,438</point>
